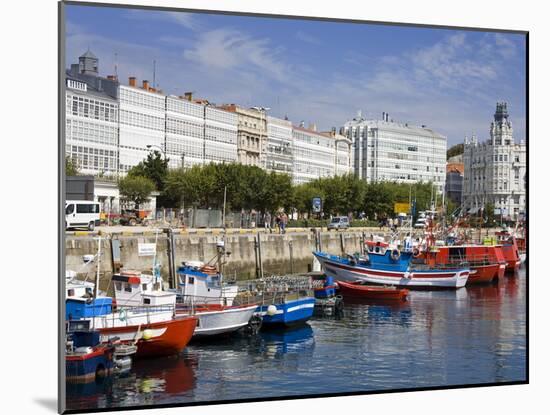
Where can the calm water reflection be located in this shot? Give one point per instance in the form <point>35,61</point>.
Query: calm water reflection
<point>473,335</point>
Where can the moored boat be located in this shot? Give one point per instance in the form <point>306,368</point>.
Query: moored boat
<point>510,250</point>
<point>145,318</point>
<point>202,292</point>
<point>284,301</point>
<point>287,312</point>
<point>486,263</point>
<point>86,359</point>
<point>358,290</point>
<point>385,266</point>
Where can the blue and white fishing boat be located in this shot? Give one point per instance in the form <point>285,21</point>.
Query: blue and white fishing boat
<point>386,266</point>
<point>288,312</point>
<point>284,300</point>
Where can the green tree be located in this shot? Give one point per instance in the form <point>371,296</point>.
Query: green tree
<point>71,166</point>
<point>154,167</point>
<point>137,189</point>
<point>455,151</point>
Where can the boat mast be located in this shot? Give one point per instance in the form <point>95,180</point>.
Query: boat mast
<point>98,266</point>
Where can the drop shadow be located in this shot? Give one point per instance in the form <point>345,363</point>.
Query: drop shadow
<point>48,403</point>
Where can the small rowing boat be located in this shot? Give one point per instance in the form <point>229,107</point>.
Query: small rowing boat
<point>367,292</point>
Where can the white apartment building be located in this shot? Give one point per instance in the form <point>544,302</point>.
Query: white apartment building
<point>313,155</point>
<point>343,161</point>
<point>279,145</point>
<point>184,132</point>
<point>142,123</point>
<point>495,170</point>
<point>220,145</point>
<point>91,125</point>
<point>384,150</point>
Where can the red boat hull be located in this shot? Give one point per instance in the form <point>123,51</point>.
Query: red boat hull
<point>511,255</point>
<point>485,273</point>
<point>487,263</point>
<point>177,333</point>
<point>356,290</point>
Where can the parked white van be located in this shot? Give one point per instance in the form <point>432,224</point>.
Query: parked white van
<point>81,214</point>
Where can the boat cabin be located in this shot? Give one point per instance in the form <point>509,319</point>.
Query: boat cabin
<point>133,288</point>
<point>200,284</point>
<point>77,289</point>
<point>377,247</point>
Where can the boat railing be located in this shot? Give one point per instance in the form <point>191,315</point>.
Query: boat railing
<point>129,314</point>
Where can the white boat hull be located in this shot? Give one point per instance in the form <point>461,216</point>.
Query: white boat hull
<point>228,320</point>
<point>441,279</point>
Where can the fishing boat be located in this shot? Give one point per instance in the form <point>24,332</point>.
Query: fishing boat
<point>327,302</point>
<point>154,328</point>
<point>201,291</point>
<point>285,301</point>
<point>359,290</point>
<point>510,250</point>
<point>486,263</point>
<point>152,325</point>
<point>384,265</point>
<point>289,310</point>
<point>86,359</point>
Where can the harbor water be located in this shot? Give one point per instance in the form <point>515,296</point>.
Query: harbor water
<point>474,335</point>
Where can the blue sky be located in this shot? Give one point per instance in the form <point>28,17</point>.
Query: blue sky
<point>320,72</point>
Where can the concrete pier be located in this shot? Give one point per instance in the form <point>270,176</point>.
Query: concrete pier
<point>200,245</point>
<point>276,250</point>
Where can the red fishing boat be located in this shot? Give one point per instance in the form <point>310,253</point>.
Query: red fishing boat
<point>163,338</point>
<point>510,250</point>
<point>367,292</point>
<point>487,263</point>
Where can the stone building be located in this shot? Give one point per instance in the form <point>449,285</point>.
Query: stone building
<point>495,170</point>
<point>251,134</point>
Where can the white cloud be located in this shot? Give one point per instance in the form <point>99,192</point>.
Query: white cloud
<point>226,49</point>
<point>306,37</point>
<point>186,20</point>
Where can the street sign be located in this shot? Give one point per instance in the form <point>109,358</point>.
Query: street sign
<point>316,205</point>
<point>146,249</point>
<point>401,208</point>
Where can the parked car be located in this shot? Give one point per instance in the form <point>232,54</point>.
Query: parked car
<point>82,214</point>
<point>338,222</point>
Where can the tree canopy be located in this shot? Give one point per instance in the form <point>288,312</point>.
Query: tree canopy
<point>455,150</point>
<point>71,166</point>
<point>137,189</point>
<point>249,187</point>
<point>154,167</point>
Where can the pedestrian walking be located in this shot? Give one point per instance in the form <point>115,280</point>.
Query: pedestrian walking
<point>278,221</point>
<point>267,221</point>
<point>284,221</point>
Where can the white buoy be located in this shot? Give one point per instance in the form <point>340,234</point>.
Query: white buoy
<point>271,310</point>
<point>147,334</point>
